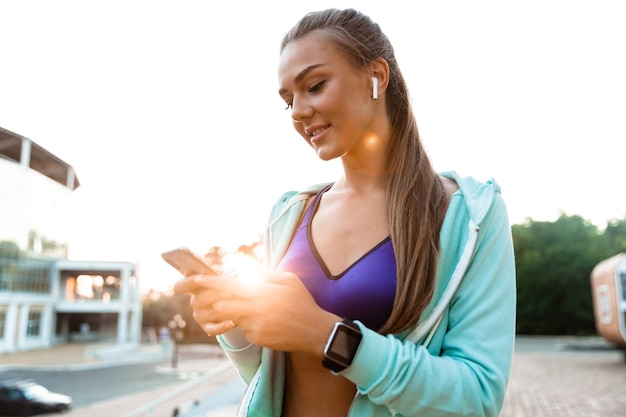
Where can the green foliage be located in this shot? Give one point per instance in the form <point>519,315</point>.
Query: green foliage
<point>614,236</point>
<point>554,261</point>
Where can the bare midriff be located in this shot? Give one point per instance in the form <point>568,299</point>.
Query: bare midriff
<point>313,391</point>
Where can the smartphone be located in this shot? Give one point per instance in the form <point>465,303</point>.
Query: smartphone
<point>187,262</point>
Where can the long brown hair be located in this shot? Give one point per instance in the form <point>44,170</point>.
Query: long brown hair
<point>416,197</point>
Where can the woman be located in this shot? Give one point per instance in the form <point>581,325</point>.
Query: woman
<point>390,291</point>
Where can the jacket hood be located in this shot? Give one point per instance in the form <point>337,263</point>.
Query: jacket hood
<point>478,195</point>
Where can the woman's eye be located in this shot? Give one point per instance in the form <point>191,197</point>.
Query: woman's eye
<point>316,87</point>
<point>289,105</point>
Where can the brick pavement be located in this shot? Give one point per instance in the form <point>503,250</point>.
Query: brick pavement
<point>567,383</point>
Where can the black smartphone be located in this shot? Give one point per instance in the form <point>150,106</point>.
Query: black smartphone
<point>187,262</point>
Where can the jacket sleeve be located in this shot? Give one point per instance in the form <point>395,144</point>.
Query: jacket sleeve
<point>245,356</point>
<point>465,369</point>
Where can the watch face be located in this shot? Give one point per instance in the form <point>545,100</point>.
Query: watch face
<point>344,344</point>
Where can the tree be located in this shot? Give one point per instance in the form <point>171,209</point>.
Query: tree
<point>614,237</point>
<point>554,261</point>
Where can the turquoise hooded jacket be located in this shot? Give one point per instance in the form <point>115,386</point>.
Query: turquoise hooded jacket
<point>456,361</point>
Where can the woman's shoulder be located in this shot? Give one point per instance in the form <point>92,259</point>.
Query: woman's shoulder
<point>449,185</point>
<point>289,198</point>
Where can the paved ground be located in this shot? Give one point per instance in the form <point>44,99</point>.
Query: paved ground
<point>551,377</point>
<point>565,377</point>
<point>193,362</point>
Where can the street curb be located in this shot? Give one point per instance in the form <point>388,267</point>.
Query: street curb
<point>134,359</point>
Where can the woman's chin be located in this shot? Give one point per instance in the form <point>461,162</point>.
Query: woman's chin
<point>326,154</point>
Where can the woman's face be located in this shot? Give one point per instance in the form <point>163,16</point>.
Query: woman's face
<point>330,101</point>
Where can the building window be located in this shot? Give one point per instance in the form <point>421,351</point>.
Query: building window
<point>27,275</point>
<point>3,317</point>
<point>34,324</point>
<point>103,288</point>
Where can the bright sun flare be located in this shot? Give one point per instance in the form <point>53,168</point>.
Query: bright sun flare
<point>245,267</point>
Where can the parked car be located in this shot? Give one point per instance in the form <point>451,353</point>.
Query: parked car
<point>25,397</point>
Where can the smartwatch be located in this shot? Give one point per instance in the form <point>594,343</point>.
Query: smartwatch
<point>342,345</point>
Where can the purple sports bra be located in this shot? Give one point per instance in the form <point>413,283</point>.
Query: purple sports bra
<point>365,291</point>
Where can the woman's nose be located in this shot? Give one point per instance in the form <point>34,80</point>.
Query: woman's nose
<point>300,110</point>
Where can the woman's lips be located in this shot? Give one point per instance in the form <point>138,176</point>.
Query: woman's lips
<point>317,133</point>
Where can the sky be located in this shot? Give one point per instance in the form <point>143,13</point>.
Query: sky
<point>169,112</point>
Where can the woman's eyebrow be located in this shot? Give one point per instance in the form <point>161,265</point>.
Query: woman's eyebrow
<point>301,75</point>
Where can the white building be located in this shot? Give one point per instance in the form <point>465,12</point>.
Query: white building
<point>46,298</point>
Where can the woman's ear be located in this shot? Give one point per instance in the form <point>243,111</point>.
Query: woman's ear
<point>380,69</point>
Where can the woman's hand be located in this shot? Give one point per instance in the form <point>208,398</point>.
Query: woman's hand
<point>203,297</point>
<point>277,311</point>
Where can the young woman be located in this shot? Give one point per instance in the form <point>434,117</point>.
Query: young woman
<point>388,292</point>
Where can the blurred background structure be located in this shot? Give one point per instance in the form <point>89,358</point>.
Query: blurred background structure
<point>46,298</point>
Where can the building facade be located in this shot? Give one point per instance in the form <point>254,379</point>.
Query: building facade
<point>46,298</point>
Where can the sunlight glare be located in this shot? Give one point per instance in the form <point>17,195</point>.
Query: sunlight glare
<point>372,140</point>
<point>248,269</point>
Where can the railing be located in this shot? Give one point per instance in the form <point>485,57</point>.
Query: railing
<point>148,410</point>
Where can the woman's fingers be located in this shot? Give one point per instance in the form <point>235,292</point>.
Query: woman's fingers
<point>210,296</point>
<point>258,308</point>
<point>186,285</point>
<point>211,307</point>
<point>195,283</point>
<point>214,329</point>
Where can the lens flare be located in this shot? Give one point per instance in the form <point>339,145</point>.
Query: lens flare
<point>248,269</point>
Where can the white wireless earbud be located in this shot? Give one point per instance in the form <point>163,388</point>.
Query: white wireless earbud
<point>375,88</point>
